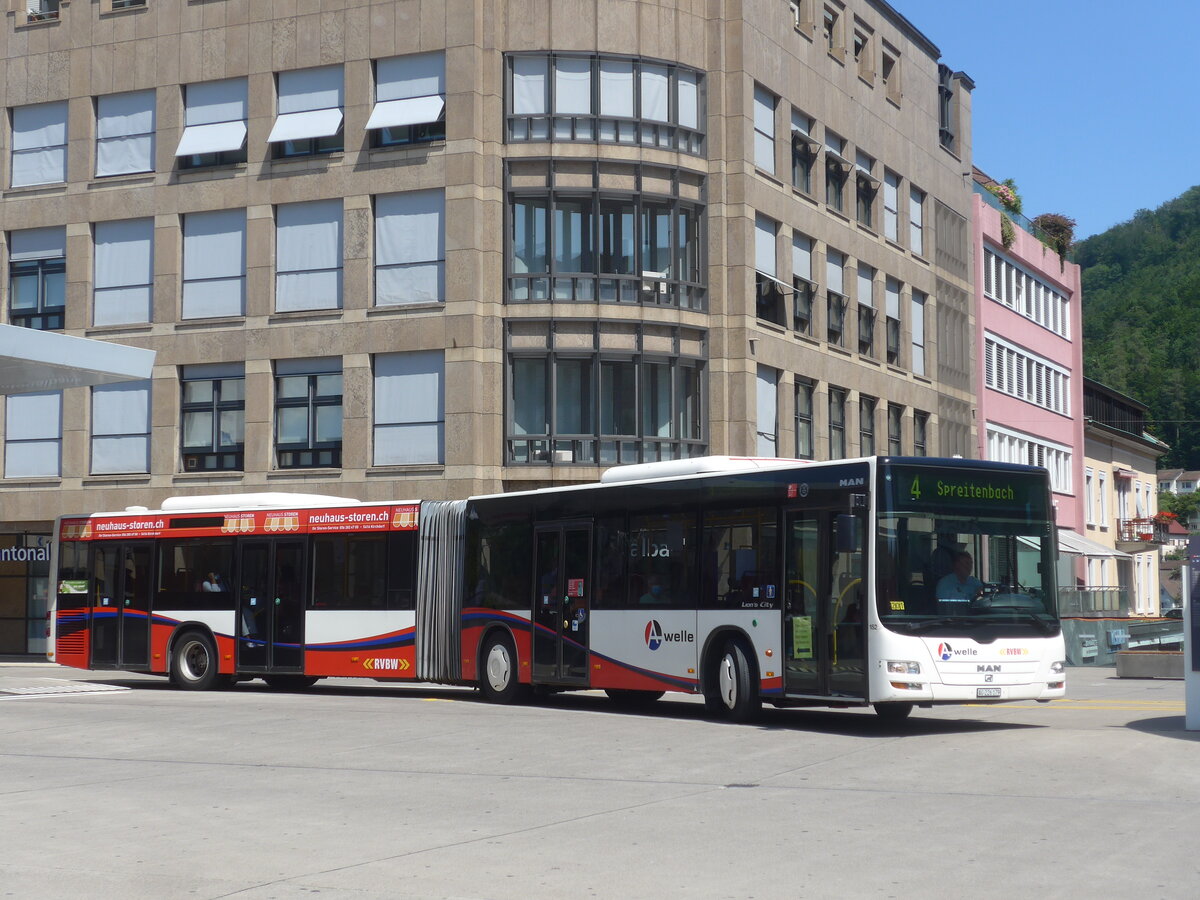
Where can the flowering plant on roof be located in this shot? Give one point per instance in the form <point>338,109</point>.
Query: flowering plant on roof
<point>1165,517</point>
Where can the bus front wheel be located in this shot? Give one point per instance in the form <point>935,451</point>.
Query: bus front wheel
<point>893,712</point>
<point>731,691</point>
<point>194,662</point>
<point>498,677</point>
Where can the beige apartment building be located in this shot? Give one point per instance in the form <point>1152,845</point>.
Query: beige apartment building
<point>391,249</point>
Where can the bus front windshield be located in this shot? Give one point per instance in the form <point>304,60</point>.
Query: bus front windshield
<point>985,573</point>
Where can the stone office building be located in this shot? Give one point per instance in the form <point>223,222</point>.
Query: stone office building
<point>430,248</point>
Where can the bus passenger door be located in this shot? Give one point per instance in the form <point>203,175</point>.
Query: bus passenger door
<point>561,604</point>
<point>824,637</point>
<point>121,606</point>
<point>271,601</point>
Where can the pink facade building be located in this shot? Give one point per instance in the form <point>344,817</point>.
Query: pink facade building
<point>1029,337</point>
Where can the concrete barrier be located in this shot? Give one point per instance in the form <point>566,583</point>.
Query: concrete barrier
<point>1150,664</point>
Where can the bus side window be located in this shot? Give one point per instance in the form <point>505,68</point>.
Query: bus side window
<point>612,555</point>
<point>662,557</point>
<point>402,569</point>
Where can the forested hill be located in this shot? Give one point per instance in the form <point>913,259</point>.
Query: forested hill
<point>1141,318</point>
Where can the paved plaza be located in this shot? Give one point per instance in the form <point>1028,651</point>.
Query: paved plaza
<point>113,785</point>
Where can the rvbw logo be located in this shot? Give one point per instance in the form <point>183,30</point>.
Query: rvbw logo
<point>656,637</point>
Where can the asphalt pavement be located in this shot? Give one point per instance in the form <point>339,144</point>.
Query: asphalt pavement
<point>115,785</point>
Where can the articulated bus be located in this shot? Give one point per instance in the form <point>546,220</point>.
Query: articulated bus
<point>891,582</point>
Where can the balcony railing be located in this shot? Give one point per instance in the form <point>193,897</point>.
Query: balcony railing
<point>993,201</point>
<point>1141,531</point>
<point>1093,601</point>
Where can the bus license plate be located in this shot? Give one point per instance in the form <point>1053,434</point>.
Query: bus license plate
<point>980,693</point>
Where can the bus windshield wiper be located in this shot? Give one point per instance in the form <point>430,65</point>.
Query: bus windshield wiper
<point>943,622</point>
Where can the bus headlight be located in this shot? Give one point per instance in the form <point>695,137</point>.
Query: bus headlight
<point>1057,667</point>
<point>903,667</point>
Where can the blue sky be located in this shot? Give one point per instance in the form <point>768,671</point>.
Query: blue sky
<point>1089,105</point>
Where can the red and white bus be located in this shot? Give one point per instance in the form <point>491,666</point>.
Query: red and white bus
<point>848,583</point>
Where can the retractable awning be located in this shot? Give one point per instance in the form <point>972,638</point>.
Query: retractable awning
<point>312,123</point>
<point>409,111</point>
<point>1078,545</point>
<point>216,137</point>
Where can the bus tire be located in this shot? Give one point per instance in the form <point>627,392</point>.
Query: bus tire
<point>633,699</point>
<point>732,692</point>
<point>194,662</point>
<point>498,675</point>
<point>893,712</point>
<point>290,682</point>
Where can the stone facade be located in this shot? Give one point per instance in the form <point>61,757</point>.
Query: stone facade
<point>866,78</point>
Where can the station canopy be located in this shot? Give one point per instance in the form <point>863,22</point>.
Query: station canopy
<point>32,361</point>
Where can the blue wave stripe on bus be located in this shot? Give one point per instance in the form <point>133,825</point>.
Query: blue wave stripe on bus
<point>384,641</point>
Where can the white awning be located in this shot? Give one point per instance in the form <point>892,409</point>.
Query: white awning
<point>299,126</point>
<point>32,360</point>
<point>1078,545</point>
<point>217,137</point>
<point>409,111</point>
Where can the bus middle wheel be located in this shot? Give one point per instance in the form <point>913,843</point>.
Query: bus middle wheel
<point>194,662</point>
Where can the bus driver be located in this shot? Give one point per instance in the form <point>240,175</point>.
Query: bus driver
<point>959,586</point>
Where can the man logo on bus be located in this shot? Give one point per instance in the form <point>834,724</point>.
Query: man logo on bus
<point>654,636</point>
<point>944,651</point>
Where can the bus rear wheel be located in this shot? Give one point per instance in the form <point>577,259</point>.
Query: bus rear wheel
<point>893,712</point>
<point>731,692</point>
<point>633,699</point>
<point>290,682</point>
<point>194,662</point>
<point>498,678</point>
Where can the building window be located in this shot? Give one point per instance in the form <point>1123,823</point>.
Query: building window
<point>611,249</point>
<point>1089,495</point>
<point>917,322</point>
<point>804,419</point>
<point>770,293</point>
<point>837,170</point>
<point>891,201</point>
<point>830,28</point>
<point>33,435</point>
<point>125,133</point>
<point>410,100</point>
<point>916,219</point>
<point>920,433</point>
<point>1007,283</point>
<point>1007,445</point>
<point>866,310</point>
<point>214,264</point>
<point>42,10</point>
<point>606,99</point>
<point>1019,373</point>
<point>410,411</point>
<point>214,118</point>
<point>214,417</point>
<point>767,391</point>
<point>804,152</point>
<point>764,129</point>
<point>308,256</point>
<point>126,4</point>
<point>37,278</point>
<point>571,405</point>
<point>946,129</point>
<point>866,425</point>
<point>864,54</point>
<point>837,423</point>
<point>895,417</point>
<point>803,289</point>
<point>410,248</point>
<point>889,72</point>
<point>124,277</point>
<point>39,144</point>
<point>308,413</point>
<point>835,308</point>
<point>866,187</point>
<point>310,113</point>
<point>892,311</point>
<point>1102,494</point>
<point>121,428</point>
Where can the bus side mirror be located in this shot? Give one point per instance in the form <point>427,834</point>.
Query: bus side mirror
<point>846,534</point>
